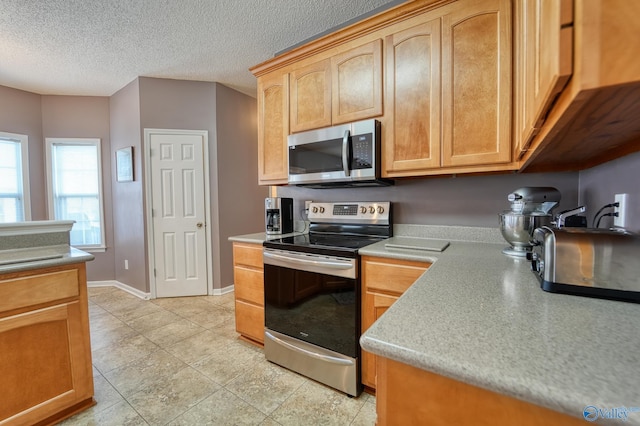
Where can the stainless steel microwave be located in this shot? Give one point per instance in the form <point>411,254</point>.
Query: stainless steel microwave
<point>343,155</point>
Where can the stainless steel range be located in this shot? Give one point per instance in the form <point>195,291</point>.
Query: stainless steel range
<point>312,292</point>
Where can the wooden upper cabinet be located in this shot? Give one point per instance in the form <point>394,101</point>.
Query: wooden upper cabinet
<point>543,51</point>
<point>412,131</point>
<point>273,128</point>
<point>476,83</point>
<point>311,96</point>
<point>345,87</point>
<point>444,98</point>
<point>357,83</point>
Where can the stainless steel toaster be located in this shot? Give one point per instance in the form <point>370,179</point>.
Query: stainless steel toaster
<point>588,262</point>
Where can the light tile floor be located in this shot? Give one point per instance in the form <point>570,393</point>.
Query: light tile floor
<point>179,361</point>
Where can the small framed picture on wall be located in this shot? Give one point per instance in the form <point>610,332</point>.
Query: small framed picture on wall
<point>124,164</point>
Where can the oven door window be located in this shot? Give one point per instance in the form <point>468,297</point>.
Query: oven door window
<point>317,308</point>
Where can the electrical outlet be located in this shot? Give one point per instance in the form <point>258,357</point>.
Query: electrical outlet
<point>620,220</point>
<point>126,264</point>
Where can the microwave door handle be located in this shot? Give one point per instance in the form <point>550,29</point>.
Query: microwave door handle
<point>345,153</point>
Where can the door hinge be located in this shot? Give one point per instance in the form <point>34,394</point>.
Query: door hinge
<point>155,272</point>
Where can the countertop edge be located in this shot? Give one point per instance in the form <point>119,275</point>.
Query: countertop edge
<point>69,255</point>
<point>259,237</point>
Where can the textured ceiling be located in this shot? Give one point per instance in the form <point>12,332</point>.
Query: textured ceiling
<point>95,47</point>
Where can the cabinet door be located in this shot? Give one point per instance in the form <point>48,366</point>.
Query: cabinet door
<point>45,362</point>
<point>273,128</point>
<point>412,132</point>
<point>476,83</point>
<point>374,305</point>
<point>543,61</point>
<point>250,320</point>
<point>357,83</point>
<point>311,97</point>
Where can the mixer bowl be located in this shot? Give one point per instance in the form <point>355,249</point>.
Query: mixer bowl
<point>518,229</point>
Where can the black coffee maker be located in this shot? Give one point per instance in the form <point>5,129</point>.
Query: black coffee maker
<point>278,215</point>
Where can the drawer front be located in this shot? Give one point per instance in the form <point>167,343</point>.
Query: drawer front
<point>393,277</point>
<point>249,285</point>
<point>36,289</point>
<point>250,321</point>
<point>248,255</point>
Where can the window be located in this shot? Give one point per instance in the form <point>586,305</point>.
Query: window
<point>14,178</point>
<point>75,188</point>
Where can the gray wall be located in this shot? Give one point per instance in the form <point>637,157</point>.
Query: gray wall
<point>86,117</point>
<point>462,200</point>
<point>188,105</point>
<point>127,207</point>
<point>21,112</point>
<point>599,185</point>
<point>230,118</point>
<point>240,199</point>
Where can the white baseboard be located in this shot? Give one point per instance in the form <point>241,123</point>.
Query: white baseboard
<point>113,283</point>
<point>143,295</point>
<point>221,291</point>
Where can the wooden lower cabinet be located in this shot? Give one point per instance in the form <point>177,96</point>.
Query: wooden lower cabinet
<point>250,321</point>
<point>383,282</point>
<point>248,278</point>
<point>45,349</point>
<point>407,395</point>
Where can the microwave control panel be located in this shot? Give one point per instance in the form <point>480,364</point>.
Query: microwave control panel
<point>362,151</point>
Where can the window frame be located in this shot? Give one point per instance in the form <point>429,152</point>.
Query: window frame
<point>23,140</point>
<point>50,143</point>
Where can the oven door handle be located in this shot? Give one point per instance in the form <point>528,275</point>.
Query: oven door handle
<point>345,153</point>
<point>323,263</point>
<point>322,357</point>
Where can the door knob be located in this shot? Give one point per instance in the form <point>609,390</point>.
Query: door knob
<point>199,225</point>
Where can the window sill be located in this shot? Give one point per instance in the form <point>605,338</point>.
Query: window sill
<point>91,249</point>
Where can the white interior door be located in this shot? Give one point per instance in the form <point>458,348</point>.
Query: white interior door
<point>178,214</point>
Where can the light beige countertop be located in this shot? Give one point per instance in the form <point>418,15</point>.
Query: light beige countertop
<point>23,259</point>
<point>480,317</point>
<point>259,237</point>
<point>37,244</point>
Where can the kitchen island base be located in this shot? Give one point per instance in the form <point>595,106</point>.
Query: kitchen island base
<point>45,350</point>
<point>407,395</point>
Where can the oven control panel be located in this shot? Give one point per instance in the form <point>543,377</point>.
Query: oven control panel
<point>350,212</point>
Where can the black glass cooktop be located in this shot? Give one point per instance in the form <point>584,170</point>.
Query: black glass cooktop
<point>336,245</point>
